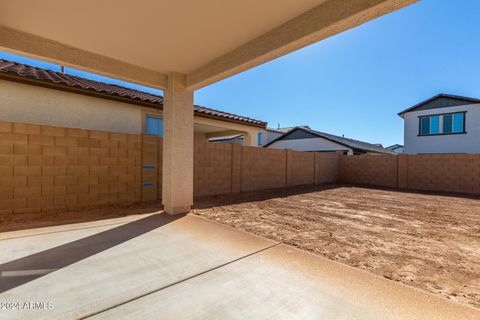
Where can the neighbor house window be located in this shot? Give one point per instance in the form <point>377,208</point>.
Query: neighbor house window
<point>458,122</point>
<point>259,138</point>
<point>449,123</point>
<point>154,125</point>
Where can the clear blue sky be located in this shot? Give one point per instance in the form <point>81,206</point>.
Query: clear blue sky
<point>355,83</point>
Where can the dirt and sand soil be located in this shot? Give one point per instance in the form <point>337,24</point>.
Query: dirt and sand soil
<point>427,241</point>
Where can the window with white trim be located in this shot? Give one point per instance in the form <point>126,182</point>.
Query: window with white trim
<point>441,124</point>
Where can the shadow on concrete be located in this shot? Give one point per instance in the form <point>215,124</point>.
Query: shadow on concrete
<point>23,270</point>
<point>32,220</point>
<point>259,195</point>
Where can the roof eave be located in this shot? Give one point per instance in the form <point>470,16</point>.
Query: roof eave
<point>93,93</point>
<point>63,87</point>
<point>245,123</point>
<point>440,95</point>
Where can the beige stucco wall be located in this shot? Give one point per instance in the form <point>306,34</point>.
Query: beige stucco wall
<point>224,128</point>
<point>26,103</point>
<point>32,104</point>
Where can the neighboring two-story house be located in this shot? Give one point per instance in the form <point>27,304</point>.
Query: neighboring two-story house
<point>442,124</point>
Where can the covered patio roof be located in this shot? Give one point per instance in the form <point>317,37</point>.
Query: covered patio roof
<point>143,41</point>
<point>177,46</point>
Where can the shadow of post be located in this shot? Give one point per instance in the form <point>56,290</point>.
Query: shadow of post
<point>17,272</point>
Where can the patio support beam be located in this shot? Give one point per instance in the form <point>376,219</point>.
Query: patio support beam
<point>323,21</point>
<point>18,42</point>
<point>177,187</point>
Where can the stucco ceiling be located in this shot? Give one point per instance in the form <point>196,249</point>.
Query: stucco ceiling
<point>206,40</point>
<point>164,36</point>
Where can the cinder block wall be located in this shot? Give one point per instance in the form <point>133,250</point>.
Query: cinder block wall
<point>223,168</point>
<point>262,168</point>
<point>212,168</point>
<point>45,167</point>
<point>451,173</point>
<point>378,170</point>
<point>326,167</point>
<point>302,167</point>
<point>458,173</point>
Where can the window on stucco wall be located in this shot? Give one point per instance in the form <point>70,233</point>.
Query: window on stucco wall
<point>441,124</point>
<point>154,125</point>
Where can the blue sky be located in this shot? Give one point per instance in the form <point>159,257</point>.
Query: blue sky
<point>355,83</point>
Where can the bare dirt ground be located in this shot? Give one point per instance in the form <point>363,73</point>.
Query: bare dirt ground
<point>427,241</point>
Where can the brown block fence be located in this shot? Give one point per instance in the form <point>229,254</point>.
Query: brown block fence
<point>229,168</point>
<point>378,170</point>
<point>45,167</point>
<point>457,173</point>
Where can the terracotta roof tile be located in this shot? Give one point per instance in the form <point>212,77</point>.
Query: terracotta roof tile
<point>16,69</point>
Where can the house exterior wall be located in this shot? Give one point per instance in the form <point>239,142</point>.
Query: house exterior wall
<point>224,128</point>
<point>269,135</point>
<point>20,102</point>
<point>310,144</point>
<point>398,149</point>
<point>454,143</point>
<point>33,104</point>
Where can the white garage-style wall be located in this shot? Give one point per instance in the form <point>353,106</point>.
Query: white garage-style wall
<point>310,144</point>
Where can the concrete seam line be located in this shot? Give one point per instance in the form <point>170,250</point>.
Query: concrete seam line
<point>180,281</point>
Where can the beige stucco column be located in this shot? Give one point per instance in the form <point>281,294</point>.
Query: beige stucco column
<point>251,138</point>
<point>177,193</point>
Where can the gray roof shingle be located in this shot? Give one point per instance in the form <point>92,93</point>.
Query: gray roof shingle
<point>350,143</point>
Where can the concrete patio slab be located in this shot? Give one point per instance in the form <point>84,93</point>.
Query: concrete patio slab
<point>163,267</point>
<point>85,269</point>
<point>286,283</point>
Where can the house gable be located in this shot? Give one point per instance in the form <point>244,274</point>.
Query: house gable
<point>299,134</point>
<point>441,101</point>
<point>311,144</point>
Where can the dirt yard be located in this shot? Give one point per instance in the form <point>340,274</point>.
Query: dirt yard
<point>431,242</point>
<point>428,241</point>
